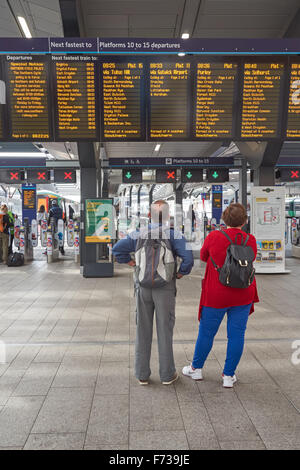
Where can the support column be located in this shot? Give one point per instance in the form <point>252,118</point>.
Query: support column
<point>243,183</point>
<point>88,189</point>
<point>178,222</point>
<point>264,176</point>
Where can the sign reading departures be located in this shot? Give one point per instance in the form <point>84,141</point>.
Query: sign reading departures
<point>73,97</point>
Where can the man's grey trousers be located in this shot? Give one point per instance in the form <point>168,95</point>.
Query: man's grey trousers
<point>162,301</point>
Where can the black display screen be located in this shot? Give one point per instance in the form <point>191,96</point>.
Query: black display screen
<point>27,91</point>
<point>122,100</point>
<point>169,100</point>
<point>75,98</point>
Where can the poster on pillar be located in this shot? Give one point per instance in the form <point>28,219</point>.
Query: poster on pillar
<point>268,227</point>
<point>99,221</point>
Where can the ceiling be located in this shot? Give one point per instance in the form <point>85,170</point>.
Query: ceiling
<point>200,18</point>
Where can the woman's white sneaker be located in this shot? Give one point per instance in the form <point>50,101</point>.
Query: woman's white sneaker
<point>228,381</point>
<point>195,374</point>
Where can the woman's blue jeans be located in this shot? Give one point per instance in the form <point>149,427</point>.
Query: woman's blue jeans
<point>211,318</point>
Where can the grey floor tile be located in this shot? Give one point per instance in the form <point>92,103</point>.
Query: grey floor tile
<point>36,380</point>
<point>77,372</point>
<point>17,419</point>
<point>65,410</point>
<point>73,441</point>
<point>158,440</point>
<point>113,378</point>
<point>108,423</point>
<point>242,445</point>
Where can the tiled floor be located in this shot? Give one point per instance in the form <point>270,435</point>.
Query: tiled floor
<point>67,381</point>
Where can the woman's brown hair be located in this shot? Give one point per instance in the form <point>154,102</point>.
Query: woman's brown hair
<point>235,215</point>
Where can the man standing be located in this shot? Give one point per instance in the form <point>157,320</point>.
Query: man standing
<point>4,232</point>
<point>157,294</point>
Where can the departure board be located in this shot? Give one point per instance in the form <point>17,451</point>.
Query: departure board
<point>215,87</point>
<point>261,99</point>
<point>1,123</point>
<point>293,123</point>
<point>75,97</point>
<point>122,90</point>
<point>29,198</point>
<point>169,96</point>
<point>28,97</point>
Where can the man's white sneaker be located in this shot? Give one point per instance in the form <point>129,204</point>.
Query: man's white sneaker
<point>195,374</point>
<point>228,381</point>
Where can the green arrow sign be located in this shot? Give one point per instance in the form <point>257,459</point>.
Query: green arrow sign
<point>128,175</point>
<point>189,175</point>
<point>215,175</point>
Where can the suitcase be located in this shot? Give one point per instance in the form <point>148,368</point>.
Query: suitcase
<point>15,259</point>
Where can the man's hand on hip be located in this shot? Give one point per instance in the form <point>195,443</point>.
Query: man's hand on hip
<point>179,276</point>
<point>132,263</point>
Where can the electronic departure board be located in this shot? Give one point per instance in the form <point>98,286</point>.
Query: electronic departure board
<point>122,110</point>
<point>169,100</point>
<point>293,123</point>
<point>75,97</point>
<point>215,89</point>
<point>1,122</point>
<point>261,99</point>
<point>29,198</point>
<point>28,97</point>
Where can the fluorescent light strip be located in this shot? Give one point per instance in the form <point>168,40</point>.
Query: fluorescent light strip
<point>157,147</point>
<point>23,154</point>
<point>24,26</point>
<point>185,35</point>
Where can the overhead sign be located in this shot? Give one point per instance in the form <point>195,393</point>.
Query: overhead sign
<point>38,176</point>
<point>217,175</point>
<point>191,175</point>
<point>132,176</point>
<point>166,176</point>
<point>11,176</point>
<point>65,176</point>
<point>289,174</point>
<point>90,97</point>
<point>177,162</point>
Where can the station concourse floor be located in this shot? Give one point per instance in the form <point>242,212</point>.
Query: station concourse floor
<point>68,383</point>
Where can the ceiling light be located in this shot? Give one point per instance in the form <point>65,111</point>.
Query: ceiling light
<point>157,147</point>
<point>185,35</point>
<point>181,54</point>
<point>24,26</point>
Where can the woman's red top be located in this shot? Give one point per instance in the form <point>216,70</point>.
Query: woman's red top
<point>214,294</point>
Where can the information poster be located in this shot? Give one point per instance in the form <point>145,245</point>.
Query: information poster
<point>268,227</point>
<point>99,221</point>
<point>29,202</point>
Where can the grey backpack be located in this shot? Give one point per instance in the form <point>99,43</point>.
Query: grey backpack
<point>238,270</point>
<point>155,262</point>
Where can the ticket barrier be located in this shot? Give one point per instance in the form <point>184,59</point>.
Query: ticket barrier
<point>295,236</point>
<point>53,242</point>
<point>25,245</point>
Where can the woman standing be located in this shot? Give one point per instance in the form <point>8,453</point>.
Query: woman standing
<point>218,299</point>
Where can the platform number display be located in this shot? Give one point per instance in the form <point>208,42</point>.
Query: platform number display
<point>191,175</point>
<point>64,176</point>
<point>11,176</point>
<point>289,174</point>
<point>166,176</point>
<point>217,175</point>
<point>132,176</point>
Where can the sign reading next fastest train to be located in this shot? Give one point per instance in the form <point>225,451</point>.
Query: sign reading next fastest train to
<point>64,95</point>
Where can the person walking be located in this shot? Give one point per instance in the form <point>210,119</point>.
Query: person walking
<point>4,231</point>
<point>11,231</point>
<point>219,298</point>
<point>42,214</point>
<point>156,249</point>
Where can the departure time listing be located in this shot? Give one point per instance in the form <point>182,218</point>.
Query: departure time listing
<point>169,100</point>
<point>76,98</point>
<point>293,124</point>
<point>214,99</point>
<point>121,100</point>
<point>261,95</point>
<point>28,96</point>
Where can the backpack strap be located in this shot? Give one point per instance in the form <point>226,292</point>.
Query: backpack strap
<point>246,240</point>
<point>226,235</point>
<point>215,265</point>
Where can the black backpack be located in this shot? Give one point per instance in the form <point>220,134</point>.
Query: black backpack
<point>238,270</point>
<point>15,259</point>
